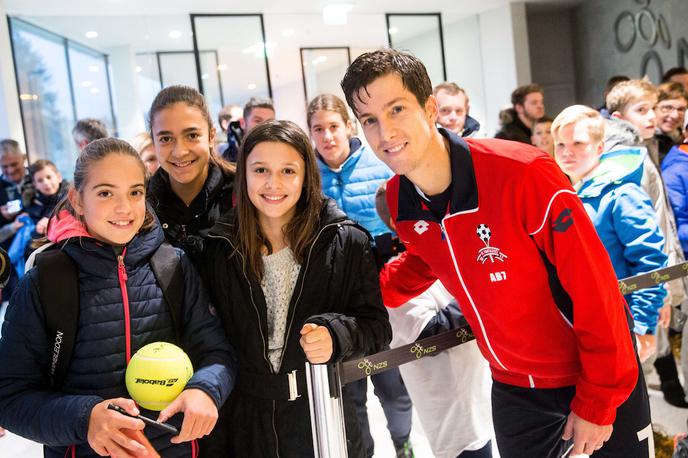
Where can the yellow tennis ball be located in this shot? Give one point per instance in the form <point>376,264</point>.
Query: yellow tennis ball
<point>156,374</point>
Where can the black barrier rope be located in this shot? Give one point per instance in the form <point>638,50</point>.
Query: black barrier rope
<point>350,371</point>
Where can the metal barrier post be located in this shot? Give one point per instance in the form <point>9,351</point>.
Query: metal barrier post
<point>327,411</point>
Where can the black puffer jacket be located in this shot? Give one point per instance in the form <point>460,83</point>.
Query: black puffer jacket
<point>185,225</point>
<point>513,128</point>
<point>337,287</point>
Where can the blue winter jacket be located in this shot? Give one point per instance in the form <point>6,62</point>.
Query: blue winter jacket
<point>354,184</point>
<point>626,223</point>
<point>59,418</point>
<point>675,174</point>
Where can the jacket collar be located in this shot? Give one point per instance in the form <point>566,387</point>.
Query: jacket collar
<point>677,154</point>
<point>464,189</point>
<point>470,127</point>
<point>355,151</point>
<point>93,254</point>
<point>620,165</point>
<point>159,187</point>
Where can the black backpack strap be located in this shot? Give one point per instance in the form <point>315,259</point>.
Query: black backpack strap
<point>167,268</point>
<point>58,286</point>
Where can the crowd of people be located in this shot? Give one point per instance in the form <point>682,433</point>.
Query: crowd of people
<point>292,246</point>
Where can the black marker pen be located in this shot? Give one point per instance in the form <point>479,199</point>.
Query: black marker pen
<point>157,424</point>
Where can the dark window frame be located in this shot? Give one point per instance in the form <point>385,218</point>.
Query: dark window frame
<point>313,48</point>
<point>193,17</point>
<point>440,29</point>
<point>158,54</point>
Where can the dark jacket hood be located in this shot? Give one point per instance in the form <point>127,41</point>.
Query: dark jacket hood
<point>159,185</point>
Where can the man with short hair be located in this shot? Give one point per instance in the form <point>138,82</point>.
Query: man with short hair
<point>454,105</point>
<point>676,75</point>
<point>257,111</point>
<point>528,106</point>
<point>500,226</point>
<point>87,130</point>
<point>670,112</point>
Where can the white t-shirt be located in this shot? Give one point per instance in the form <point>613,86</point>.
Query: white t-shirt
<point>450,391</point>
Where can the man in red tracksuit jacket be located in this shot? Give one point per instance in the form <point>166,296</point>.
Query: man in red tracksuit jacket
<point>499,224</point>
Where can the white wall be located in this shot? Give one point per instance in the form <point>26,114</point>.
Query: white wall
<point>364,32</point>
<point>127,107</point>
<point>464,61</point>
<point>506,64</point>
<point>10,116</point>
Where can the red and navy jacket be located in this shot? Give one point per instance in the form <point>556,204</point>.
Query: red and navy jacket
<point>521,256</point>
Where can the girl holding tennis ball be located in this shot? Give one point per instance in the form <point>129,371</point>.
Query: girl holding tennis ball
<point>105,229</point>
<point>293,280</point>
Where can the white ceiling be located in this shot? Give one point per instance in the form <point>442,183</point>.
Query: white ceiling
<point>146,25</point>
<point>157,7</point>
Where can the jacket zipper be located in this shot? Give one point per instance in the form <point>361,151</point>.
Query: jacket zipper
<point>468,295</point>
<point>260,328</point>
<point>303,281</point>
<point>255,307</point>
<point>122,276</point>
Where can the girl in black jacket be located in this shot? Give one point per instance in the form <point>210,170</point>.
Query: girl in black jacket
<point>193,187</point>
<point>293,280</point>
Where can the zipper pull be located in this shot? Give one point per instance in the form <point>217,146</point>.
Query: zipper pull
<point>442,230</point>
<point>120,267</point>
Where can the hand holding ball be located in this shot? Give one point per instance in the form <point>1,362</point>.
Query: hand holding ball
<point>156,374</point>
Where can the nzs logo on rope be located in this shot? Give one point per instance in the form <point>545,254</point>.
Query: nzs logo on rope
<point>488,252</point>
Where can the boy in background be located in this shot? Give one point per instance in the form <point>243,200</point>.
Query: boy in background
<point>542,135</point>
<point>50,188</point>
<point>634,102</point>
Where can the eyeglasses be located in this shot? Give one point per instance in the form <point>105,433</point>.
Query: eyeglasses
<point>666,109</point>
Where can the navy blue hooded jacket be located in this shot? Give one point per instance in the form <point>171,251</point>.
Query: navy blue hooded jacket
<point>59,418</point>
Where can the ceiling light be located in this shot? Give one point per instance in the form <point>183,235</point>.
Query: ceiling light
<point>393,30</point>
<point>138,69</point>
<point>94,90</point>
<point>260,49</point>
<point>93,68</point>
<point>319,60</point>
<point>287,32</point>
<point>91,34</point>
<point>222,67</point>
<point>204,76</point>
<point>175,34</point>
<point>251,86</point>
<point>86,84</point>
<point>336,13</point>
